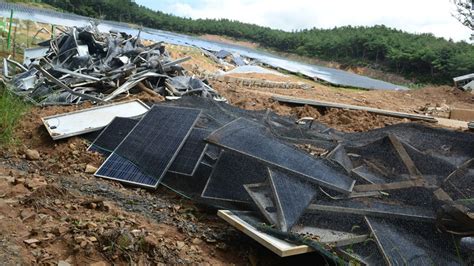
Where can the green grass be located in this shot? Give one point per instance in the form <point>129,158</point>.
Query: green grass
<point>12,108</point>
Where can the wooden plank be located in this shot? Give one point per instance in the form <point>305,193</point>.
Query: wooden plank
<point>278,246</point>
<point>375,209</point>
<point>354,107</point>
<point>393,186</point>
<point>457,124</point>
<point>144,88</point>
<point>403,154</point>
<point>462,114</point>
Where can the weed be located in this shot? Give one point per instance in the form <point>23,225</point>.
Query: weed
<point>12,108</point>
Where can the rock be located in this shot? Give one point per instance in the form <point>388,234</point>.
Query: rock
<point>221,245</point>
<point>9,179</point>
<point>31,241</point>
<point>91,225</point>
<point>136,232</point>
<point>60,230</point>
<point>27,214</point>
<point>90,169</point>
<point>99,263</point>
<point>63,263</point>
<point>345,120</point>
<point>35,183</point>
<point>32,155</point>
<point>180,244</point>
<point>197,241</point>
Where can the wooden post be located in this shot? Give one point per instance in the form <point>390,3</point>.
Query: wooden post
<point>14,41</point>
<point>27,32</point>
<point>10,29</point>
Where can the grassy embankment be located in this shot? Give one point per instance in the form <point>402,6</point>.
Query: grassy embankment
<point>12,108</point>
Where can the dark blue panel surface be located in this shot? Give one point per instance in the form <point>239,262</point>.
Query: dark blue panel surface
<point>190,155</point>
<point>120,169</point>
<point>152,145</point>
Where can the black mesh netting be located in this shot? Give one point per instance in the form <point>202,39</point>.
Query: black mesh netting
<point>231,173</point>
<point>292,195</point>
<point>244,144</point>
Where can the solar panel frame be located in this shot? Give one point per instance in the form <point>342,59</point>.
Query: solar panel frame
<point>221,137</point>
<point>197,135</point>
<point>94,147</point>
<point>232,195</point>
<point>132,171</point>
<point>136,140</point>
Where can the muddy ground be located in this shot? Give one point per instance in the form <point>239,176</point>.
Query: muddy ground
<point>53,209</point>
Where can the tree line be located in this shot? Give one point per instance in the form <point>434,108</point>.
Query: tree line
<point>421,57</point>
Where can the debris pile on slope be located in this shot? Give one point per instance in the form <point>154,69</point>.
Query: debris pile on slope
<point>85,64</point>
<point>465,82</point>
<point>404,190</point>
<point>226,58</point>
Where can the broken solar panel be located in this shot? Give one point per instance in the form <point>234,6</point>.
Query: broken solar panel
<point>433,169</point>
<point>413,244</point>
<point>364,172</point>
<point>373,208</point>
<point>460,183</point>
<point>212,152</point>
<point>261,195</point>
<point>247,137</point>
<point>292,196</point>
<point>112,135</point>
<point>382,155</point>
<point>188,186</point>
<point>120,169</point>
<point>153,144</point>
<point>339,155</point>
<point>231,172</point>
<point>189,156</point>
<point>365,253</point>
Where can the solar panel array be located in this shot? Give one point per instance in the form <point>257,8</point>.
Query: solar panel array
<point>251,162</point>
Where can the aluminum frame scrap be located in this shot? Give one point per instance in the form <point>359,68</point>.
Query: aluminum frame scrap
<point>84,64</point>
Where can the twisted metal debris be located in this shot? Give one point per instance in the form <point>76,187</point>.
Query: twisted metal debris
<point>84,64</point>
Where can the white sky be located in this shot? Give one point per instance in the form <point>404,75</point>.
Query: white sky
<point>416,16</point>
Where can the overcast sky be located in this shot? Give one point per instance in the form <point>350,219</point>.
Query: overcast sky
<point>417,16</point>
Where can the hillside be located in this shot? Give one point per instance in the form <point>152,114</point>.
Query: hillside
<point>421,57</point>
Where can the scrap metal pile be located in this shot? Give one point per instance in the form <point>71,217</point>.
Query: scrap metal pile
<point>402,194</point>
<point>85,64</point>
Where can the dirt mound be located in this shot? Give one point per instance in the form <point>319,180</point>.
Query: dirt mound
<point>348,121</point>
<point>345,120</point>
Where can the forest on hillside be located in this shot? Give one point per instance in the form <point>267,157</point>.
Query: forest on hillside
<point>421,57</point>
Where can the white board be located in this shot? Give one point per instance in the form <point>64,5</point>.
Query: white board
<point>278,246</point>
<point>91,119</point>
